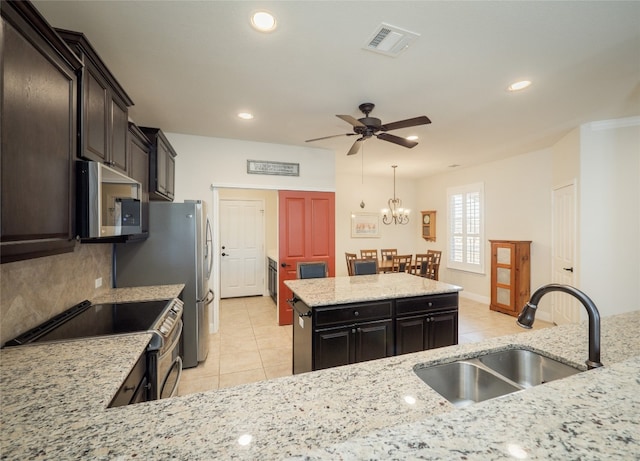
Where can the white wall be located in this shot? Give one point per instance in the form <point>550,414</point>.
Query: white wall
<point>375,191</point>
<point>610,214</point>
<point>517,207</point>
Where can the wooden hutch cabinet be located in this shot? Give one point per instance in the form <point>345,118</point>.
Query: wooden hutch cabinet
<point>510,275</point>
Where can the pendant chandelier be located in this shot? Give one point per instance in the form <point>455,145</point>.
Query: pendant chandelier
<point>395,214</point>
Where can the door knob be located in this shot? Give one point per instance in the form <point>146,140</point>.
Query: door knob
<point>285,264</point>
<point>224,254</point>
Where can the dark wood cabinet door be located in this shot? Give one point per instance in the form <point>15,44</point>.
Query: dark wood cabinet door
<point>333,347</point>
<point>138,152</point>
<point>118,143</point>
<point>95,111</point>
<point>442,329</point>
<point>38,127</point>
<point>161,166</point>
<point>171,176</point>
<point>411,334</point>
<point>373,340</point>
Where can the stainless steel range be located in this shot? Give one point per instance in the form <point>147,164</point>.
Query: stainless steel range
<point>163,319</point>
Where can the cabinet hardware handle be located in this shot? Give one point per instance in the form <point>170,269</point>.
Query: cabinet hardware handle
<point>568,269</point>
<point>356,313</point>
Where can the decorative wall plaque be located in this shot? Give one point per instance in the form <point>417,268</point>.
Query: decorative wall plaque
<point>275,168</point>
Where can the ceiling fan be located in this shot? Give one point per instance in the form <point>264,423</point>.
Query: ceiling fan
<point>367,127</point>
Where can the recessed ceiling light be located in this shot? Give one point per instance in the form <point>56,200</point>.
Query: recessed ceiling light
<point>263,21</point>
<point>517,86</point>
<point>245,115</point>
<point>413,137</point>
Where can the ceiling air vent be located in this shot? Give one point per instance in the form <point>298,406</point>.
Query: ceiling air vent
<point>390,40</point>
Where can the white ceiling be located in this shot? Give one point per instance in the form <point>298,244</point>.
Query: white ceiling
<point>190,67</point>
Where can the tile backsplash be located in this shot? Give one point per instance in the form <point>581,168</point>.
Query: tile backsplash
<point>35,290</point>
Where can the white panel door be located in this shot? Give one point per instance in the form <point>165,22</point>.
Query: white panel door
<point>565,308</point>
<point>242,257</point>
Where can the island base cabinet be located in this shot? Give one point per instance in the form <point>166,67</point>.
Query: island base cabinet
<point>418,333</point>
<point>354,343</point>
<point>337,335</point>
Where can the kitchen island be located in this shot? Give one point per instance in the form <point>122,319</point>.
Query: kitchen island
<point>55,408</point>
<point>344,320</point>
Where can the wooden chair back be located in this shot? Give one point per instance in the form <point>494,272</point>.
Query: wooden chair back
<point>423,265</point>
<point>350,257</point>
<point>435,263</point>
<point>387,254</point>
<point>401,263</point>
<point>311,270</point>
<point>369,254</point>
<point>365,266</point>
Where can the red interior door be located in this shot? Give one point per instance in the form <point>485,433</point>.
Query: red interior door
<point>306,232</point>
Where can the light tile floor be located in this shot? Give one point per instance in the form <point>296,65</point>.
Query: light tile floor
<point>250,346</point>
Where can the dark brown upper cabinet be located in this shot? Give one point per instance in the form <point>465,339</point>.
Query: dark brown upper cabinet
<point>139,149</point>
<point>162,165</point>
<point>103,107</point>
<point>39,90</point>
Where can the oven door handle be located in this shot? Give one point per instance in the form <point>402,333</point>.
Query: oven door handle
<point>177,362</point>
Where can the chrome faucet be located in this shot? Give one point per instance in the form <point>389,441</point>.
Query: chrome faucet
<point>528,314</point>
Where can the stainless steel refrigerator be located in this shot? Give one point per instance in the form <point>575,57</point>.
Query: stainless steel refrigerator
<point>178,250</point>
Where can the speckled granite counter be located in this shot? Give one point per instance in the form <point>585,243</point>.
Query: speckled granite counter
<point>55,409</point>
<point>145,293</point>
<point>343,290</point>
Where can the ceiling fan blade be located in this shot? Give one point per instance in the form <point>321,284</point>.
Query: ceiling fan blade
<point>333,136</point>
<point>396,140</point>
<point>353,121</point>
<point>356,146</point>
<point>422,120</point>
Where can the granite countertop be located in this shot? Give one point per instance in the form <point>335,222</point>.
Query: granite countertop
<point>143,293</point>
<point>342,290</point>
<point>55,409</point>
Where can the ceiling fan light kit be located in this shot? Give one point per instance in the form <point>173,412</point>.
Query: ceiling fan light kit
<point>367,127</point>
<point>395,214</point>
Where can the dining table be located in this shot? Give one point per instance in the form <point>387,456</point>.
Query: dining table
<point>386,265</point>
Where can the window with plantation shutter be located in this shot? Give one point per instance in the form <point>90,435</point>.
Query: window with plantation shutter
<point>465,235</point>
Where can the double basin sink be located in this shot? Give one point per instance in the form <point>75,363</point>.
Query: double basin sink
<point>468,381</point>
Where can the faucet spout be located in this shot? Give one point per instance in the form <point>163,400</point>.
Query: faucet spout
<point>528,314</point>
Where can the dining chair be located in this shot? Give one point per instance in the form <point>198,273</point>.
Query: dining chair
<point>401,263</point>
<point>311,270</point>
<point>369,254</point>
<point>435,263</point>
<point>365,266</point>
<point>350,257</point>
<point>423,265</point>
<point>387,254</point>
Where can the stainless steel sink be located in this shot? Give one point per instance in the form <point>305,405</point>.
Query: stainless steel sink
<point>463,383</point>
<point>527,368</point>
<point>492,375</point>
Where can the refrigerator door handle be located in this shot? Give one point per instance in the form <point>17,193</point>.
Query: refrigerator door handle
<point>208,248</point>
<point>207,300</point>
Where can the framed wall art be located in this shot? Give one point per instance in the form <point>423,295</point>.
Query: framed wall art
<point>365,225</point>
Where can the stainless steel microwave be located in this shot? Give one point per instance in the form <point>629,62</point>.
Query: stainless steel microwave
<point>108,202</point>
